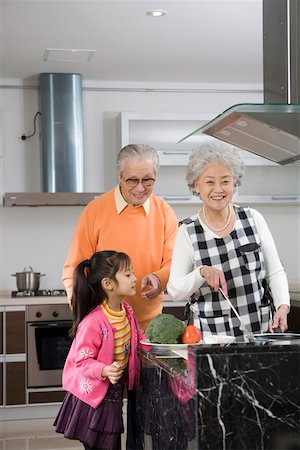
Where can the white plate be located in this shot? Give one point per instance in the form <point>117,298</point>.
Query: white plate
<point>183,353</point>
<point>218,339</point>
<point>167,346</point>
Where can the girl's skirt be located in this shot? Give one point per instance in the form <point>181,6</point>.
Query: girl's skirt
<point>98,428</point>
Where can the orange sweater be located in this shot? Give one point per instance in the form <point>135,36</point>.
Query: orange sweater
<point>148,240</point>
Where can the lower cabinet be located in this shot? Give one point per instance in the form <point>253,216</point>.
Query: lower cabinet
<point>15,332</point>
<point>15,383</point>
<point>1,383</point>
<point>294,319</point>
<point>13,365</point>
<point>45,397</point>
<point>177,311</point>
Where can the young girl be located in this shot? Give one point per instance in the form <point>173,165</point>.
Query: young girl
<point>103,355</point>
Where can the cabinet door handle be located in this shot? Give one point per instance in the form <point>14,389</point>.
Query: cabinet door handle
<point>175,153</point>
<point>285,197</point>
<point>177,198</point>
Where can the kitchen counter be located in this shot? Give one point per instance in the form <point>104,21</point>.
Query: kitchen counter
<point>7,300</point>
<point>238,396</point>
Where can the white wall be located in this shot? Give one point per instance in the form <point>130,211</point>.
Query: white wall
<point>40,236</point>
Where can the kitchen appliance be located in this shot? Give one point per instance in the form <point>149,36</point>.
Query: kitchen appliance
<point>40,293</point>
<point>270,130</point>
<point>47,343</point>
<point>61,124</point>
<point>28,280</point>
<point>61,142</point>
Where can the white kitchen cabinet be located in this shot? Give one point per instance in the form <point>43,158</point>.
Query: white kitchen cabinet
<point>264,182</point>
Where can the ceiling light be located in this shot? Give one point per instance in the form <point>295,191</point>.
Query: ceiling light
<point>156,13</point>
<point>68,54</point>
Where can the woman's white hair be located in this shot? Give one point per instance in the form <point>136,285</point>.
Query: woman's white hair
<point>137,151</point>
<point>208,153</point>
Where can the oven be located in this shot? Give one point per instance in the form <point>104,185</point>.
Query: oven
<point>47,343</point>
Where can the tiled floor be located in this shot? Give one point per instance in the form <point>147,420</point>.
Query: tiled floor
<point>36,434</point>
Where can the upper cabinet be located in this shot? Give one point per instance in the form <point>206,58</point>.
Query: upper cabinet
<point>263,182</point>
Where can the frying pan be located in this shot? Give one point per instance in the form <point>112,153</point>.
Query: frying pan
<point>279,338</point>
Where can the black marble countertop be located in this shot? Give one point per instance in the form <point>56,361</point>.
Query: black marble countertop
<point>240,396</point>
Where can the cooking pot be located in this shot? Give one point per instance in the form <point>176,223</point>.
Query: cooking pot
<point>28,280</point>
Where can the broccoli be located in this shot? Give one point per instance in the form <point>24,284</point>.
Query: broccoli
<point>165,329</point>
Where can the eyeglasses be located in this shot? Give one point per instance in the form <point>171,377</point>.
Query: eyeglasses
<point>133,182</point>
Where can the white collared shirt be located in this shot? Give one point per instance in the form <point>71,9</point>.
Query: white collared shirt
<point>122,204</point>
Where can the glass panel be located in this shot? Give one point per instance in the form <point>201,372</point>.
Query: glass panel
<point>269,130</point>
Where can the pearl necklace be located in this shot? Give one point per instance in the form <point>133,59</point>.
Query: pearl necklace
<point>217,229</point>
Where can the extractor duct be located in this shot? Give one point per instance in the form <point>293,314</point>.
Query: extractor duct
<point>272,129</point>
<point>61,126</point>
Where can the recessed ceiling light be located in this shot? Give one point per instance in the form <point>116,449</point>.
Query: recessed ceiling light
<point>156,13</point>
<point>68,54</point>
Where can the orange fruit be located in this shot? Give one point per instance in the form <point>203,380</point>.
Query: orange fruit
<point>191,335</point>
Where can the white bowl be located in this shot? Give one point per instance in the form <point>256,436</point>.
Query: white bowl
<point>218,339</point>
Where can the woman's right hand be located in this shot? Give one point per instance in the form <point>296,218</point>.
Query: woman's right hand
<point>214,278</point>
<point>113,372</point>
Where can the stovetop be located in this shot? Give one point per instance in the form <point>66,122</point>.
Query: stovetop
<point>40,293</point>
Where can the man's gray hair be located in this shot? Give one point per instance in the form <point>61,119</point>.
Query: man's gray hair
<point>208,153</point>
<point>137,151</point>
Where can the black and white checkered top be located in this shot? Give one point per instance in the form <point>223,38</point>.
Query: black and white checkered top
<point>240,258</point>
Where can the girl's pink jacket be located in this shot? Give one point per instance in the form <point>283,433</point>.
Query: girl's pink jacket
<point>91,350</point>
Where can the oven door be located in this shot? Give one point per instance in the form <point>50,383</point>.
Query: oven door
<point>48,344</point>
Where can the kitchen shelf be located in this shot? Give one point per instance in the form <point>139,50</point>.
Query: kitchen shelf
<point>48,199</point>
<point>181,158</point>
<point>282,200</point>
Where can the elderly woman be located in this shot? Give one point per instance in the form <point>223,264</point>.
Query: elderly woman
<point>229,247</point>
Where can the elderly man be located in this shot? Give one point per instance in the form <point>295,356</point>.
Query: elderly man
<point>130,219</point>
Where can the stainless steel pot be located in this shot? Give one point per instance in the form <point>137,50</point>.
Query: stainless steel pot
<point>28,280</point>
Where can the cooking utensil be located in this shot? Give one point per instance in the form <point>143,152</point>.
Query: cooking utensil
<point>28,280</point>
<point>250,336</point>
<point>277,338</point>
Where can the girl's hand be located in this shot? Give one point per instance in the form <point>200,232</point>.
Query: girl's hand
<point>214,278</point>
<point>112,372</point>
<point>280,318</point>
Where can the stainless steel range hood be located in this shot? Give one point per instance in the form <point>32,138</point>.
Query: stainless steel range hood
<point>270,130</point>
<point>61,132</point>
<point>61,138</point>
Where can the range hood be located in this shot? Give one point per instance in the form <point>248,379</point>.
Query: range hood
<point>48,198</point>
<point>61,145</point>
<point>270,130</point>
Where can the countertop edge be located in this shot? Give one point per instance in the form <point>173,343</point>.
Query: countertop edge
<point>7,300</point>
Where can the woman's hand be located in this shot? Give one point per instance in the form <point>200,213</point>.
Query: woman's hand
<point>280,318</point>
<point>214,278</point>
<point>151,286</point>
<point>112,372</point>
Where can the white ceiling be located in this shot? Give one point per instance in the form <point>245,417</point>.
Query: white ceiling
<point>200,41</point>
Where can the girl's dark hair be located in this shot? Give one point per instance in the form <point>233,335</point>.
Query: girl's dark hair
<point>87,289</point>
